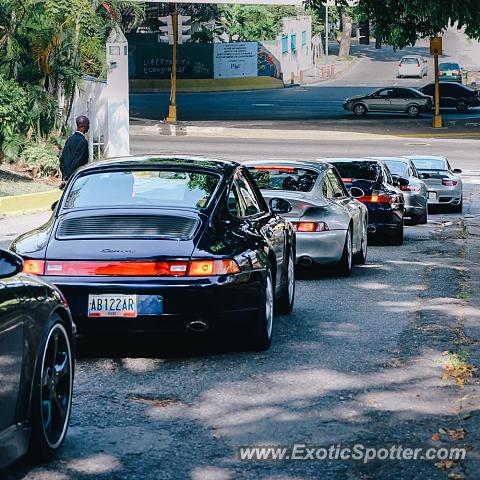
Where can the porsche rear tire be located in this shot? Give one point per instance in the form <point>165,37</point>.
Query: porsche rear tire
<point>346,262</point>
<point>284,305</point>
<point>260,335</point>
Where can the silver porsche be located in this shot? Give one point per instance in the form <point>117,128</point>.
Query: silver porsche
<point>444,184</point>
<point>331,225</point>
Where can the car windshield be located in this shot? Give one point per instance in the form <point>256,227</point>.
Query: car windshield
<point>410,60</point>
<point>143,188</point>
<point>449,66</point>
<point>294,179</point>
<point>397,168</point>
<point>358,170</point>
<point>430,164</point>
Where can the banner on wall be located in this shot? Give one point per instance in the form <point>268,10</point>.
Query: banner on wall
<point>235,60</point>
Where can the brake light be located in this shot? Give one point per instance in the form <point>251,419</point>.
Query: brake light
<point>449,183</point>
<point>410,188</point>
<point>309,227</point>
<point>35,267</point>
<point>347,180</point>
<point>194,268</point>
<point>377,199</point>
<point>275,167</point>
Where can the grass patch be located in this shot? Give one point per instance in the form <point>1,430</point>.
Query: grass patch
<point>13,182</point>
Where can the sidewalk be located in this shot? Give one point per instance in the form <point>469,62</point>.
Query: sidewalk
<point>323,72</point>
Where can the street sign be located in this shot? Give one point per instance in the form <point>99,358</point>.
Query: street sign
<point>436,46</point>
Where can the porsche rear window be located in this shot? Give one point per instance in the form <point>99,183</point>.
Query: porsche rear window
<point>410,60</point>
<point>284,178</point>
<point>429,164</point>
<point>358,170</point>
<point>397,168</point>
<point>158,188</point>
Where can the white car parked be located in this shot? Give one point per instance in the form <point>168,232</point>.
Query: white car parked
<point>412,66</point>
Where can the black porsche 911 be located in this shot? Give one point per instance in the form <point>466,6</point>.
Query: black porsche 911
<point>36,365</point>
<point>167,244</point>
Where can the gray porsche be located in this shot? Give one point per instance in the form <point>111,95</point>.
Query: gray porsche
<point>331,225</point>
<point>445,188</point>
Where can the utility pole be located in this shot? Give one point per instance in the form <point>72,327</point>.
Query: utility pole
<point>175,28</point>
<point>172,108</point>
<point>436,50</point>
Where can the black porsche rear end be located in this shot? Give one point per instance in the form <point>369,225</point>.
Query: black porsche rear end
<point>129,261</point>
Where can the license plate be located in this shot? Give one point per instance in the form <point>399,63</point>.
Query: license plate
<point>432,195</point>
<point>112,306</point>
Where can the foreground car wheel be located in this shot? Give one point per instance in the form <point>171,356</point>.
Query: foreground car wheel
<point>261,333</point>
<point>287,298</point>
<point>345,265</point>
<point>421,219</point>
<point>359,109</point>
<point>397,237</point>
<point>458,208</point>
<point>413,111</point>
<point>361,257</point>
<point>52,393</point>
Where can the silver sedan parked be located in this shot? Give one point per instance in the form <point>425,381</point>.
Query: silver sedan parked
<point>445,188</point>
<point>415,193</point>
<point>390,100</point>
<point>331,225</point>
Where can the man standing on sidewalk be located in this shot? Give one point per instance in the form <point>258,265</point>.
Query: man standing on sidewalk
<point>75,152</point>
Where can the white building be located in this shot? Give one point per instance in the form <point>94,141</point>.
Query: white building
<point>293,48</point>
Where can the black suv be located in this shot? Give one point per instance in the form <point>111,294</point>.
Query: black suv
<point>454,95</point>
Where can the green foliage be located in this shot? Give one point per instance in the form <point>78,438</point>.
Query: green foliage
<point>13,111</point>
<point>41,159</point>
<point>401,22</point>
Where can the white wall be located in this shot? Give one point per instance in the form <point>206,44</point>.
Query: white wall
<point>91,100</point>
<point>296,61</point>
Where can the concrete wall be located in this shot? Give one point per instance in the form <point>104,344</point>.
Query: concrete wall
<point>91,100</point>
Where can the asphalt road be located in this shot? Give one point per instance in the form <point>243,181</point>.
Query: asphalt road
<point>376,68</point>
<point>356,363</point>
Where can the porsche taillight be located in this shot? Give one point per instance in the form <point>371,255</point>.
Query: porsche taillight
<point>115,268</point>
<point>449,183</point>
<point>35,267</point>
<point>310,227</point>
<point>377,199</point>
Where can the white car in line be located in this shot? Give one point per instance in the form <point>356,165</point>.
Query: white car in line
<point>412,66</point>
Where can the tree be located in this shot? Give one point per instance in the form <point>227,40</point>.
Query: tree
<point>401,22</point>
<point>346,38</point>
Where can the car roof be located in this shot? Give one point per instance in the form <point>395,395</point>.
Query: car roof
<point>425,157</point>
<point>314,164</point>
<point>348,159</point>
<point>393,159</point>
<point>413,55</point>
<point>149,161</point>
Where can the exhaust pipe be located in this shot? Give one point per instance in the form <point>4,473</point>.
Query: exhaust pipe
<point>197,326</point>
<point>305,262</point>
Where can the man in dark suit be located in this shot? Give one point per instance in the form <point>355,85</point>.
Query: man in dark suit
<point>75,152</point>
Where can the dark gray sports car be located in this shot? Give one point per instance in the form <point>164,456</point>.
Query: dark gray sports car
<point>36,364</point>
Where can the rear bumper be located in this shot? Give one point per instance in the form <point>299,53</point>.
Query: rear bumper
<point>221,302</point>
<point>439,195</point>
<point>382,220</point>
<point>414,204</point>
<point>321,247</point>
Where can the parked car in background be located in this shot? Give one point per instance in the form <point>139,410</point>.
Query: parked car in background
<point>390,100</point>
<point>36,364</point>
<point>331,225</point>
<point>381,195</point>
<point>445,188</point>
<point>167,244</point>
<point>415,192</point>
<point>412,66</point>
<point>450,72</point>
<point>454,95</point>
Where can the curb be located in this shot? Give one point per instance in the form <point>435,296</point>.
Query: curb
<point>206,85</point>
<point>29,203</point>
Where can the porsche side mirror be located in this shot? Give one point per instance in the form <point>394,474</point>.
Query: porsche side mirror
<point>279,205</point>
<point>457,170</point>
<point>356,192</point>
<point>54,206</point>
<point>424,176</point>
<point>10,264</point>
<point>400,181</point>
